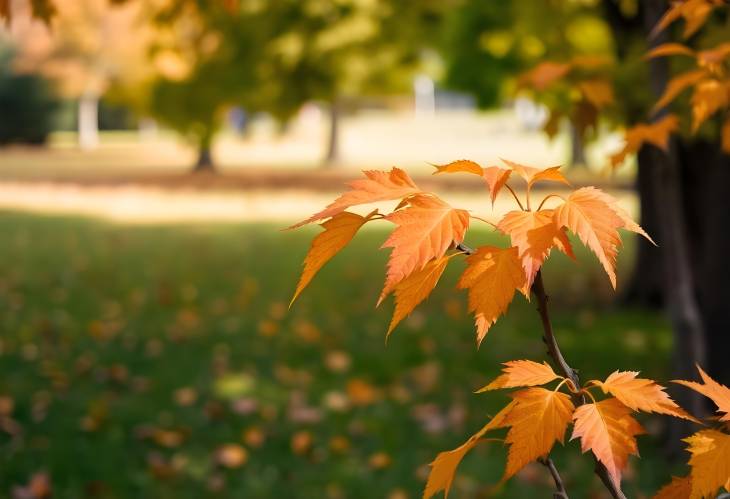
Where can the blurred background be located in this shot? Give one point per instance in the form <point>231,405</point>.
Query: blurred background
<point>152,151</point>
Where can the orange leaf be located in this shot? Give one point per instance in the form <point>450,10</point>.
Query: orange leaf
<point>628,222</point>
<point>522,373</point>
<point>656,134</point>
<point>587,215</point>
<point>710,462</point>
<point>425,230</point>
<point>641,394</point>
<point>539,419</point>
<point>495,176</point>
<point>462,165</point>
<point>443,468</point>
<point>607,429</point>
<point>676,86</point>
<point>597,92</point>
<point>679,488</point>
<point>492,277</point>
<point>535,234</point>
<point>378,186</point>
<point>709,97</point>
<point>544,74</point>
<point>415,288</point>
<point>713,390</point>
<point>532,174</point>
<point>725,135</point>
<point>713,57</point>
<point>667,49</point>
<point>338,232</point>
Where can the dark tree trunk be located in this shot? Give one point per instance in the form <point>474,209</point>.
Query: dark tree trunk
<point>679,271</point>
<point>332,156</point>
<point>577,149</point>
<point>205,161</point>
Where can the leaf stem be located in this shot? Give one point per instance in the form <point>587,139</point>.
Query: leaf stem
<point>538,289</point>
<point>548,197</point>
<point>514,195</point>
<point>560,492</point>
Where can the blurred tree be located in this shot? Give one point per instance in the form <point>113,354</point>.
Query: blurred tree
<point>88,48</point>
<point>27,105</point>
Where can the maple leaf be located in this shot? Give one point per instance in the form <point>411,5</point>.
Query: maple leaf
<point>531,174</point>
<point>522,373</point>
<point>377,186</point>
<point>494,176</point>
<point>539,418</point>
<point>725,135</point>
<point>677,85</point>
<point>492,277</point>
<point>667,49</point>
<point>694,12</point>
<point>710,462</point>
<point>587,214</point>
<point>415,288</point>
<point>544,74</point>
<point>679,488</point>
<point>534,233</point>
<point>641,394</point>
<point>425,230</point>
<point>628,222</point>
<point>713,390</point>
<point>709,97</point>
<point>597,92</point>
<point>338,232</point>
<point>607,429</point>
<point>443,468</point>
<point>656,133</point>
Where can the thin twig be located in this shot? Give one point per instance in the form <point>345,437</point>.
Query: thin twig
<point>538,289</point>
<point>514,195</point>
<point>560,492</point>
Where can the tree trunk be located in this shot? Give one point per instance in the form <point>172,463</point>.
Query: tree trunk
<point>88,120</point>
<point>679,274</point>
<point>332,156</point>
<point>205,160</point>
<point>577,149</point>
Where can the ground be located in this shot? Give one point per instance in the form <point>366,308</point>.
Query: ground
<point>162,361</point>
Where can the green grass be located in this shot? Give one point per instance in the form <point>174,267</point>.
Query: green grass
<point>101,324</point>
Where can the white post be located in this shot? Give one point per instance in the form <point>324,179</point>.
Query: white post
<point>425,96</point>
<point>88,120</point>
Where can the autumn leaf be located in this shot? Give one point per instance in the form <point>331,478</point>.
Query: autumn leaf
<point>538,419</point>
<point>656,133</point>
<point>713,390</point>
<point>378,186</point>
<point>597,92</point>
<point>425,230</point>
<point>415,288</point>
<point>443,468</point>
<point>494,176</point>
<point>679,488</point>
<point>587,215</point>
<point>694,12</point>
<point>709,97</point>
<point>710,462</point>
<point>534,233</point>
<point>725,135</point>
<point>492,277</point>
<point>544,75</point>
<point>667,49</point>
<point>338,232</point>
<point>677,85</point>
<point>522,373</point>
<point>628,222</point>
<point>641,394</point>
<point>607,429</point>
<point>531,174</point>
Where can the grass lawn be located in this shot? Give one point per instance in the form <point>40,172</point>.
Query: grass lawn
<point>162,362</point>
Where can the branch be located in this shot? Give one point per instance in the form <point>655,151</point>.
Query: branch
<point>538,289</point>
<point>560,493</point>
<point>465,249</point>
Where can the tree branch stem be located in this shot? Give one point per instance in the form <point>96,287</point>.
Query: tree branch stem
<point>538,289</point>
